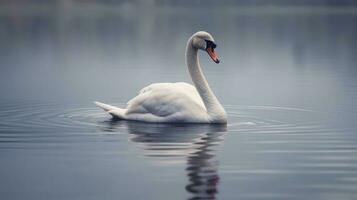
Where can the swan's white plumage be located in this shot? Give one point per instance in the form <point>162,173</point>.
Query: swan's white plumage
<point>162,102</point>
<point>162,95</point>
<point>175,102</point>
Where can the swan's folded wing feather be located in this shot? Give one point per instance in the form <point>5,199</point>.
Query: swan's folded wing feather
<point>153,102</point>
<point>164,99</point>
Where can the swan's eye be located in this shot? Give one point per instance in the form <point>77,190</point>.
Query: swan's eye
<point>210,44</point>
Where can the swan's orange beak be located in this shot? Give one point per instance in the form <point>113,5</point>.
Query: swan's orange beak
<point>212,54</point>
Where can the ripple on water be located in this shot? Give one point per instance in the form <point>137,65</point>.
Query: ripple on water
<point>264,144</point>
<point>40,119</point>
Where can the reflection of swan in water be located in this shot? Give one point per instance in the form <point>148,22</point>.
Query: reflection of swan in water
<point>202,169</point>
<point>194,142</point>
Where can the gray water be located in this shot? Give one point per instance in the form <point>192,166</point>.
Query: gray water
<point>287,80</point>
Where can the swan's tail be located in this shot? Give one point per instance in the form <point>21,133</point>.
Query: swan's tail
<point>112,110</point>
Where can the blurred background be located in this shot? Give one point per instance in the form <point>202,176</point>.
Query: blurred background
<point>85,50</point>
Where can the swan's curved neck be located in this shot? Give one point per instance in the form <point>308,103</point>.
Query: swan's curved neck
<point>214,108</point>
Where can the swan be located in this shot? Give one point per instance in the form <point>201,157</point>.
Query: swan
<point>177,102</point>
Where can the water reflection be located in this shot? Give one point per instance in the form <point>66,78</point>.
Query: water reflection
<point>202,169</point>
<point>194,143</point>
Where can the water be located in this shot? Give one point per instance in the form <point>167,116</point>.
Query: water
<point>287,80</point>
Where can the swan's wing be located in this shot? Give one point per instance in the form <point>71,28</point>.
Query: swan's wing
<point>163,99</point>
<point>147,90</point>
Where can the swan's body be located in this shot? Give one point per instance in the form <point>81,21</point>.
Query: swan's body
<point>163,102</point>
<point>177,102</point>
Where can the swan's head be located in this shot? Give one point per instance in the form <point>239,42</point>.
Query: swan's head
<point>204,41</point>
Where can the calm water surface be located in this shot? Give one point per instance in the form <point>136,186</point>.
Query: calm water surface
<point>287,80</point>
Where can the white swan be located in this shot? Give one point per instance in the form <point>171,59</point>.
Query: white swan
<point>177,102</point>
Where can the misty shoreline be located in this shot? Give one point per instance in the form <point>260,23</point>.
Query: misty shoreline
<point>128,9</point>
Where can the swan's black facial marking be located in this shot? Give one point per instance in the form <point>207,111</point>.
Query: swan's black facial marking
<point>211,44</point>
